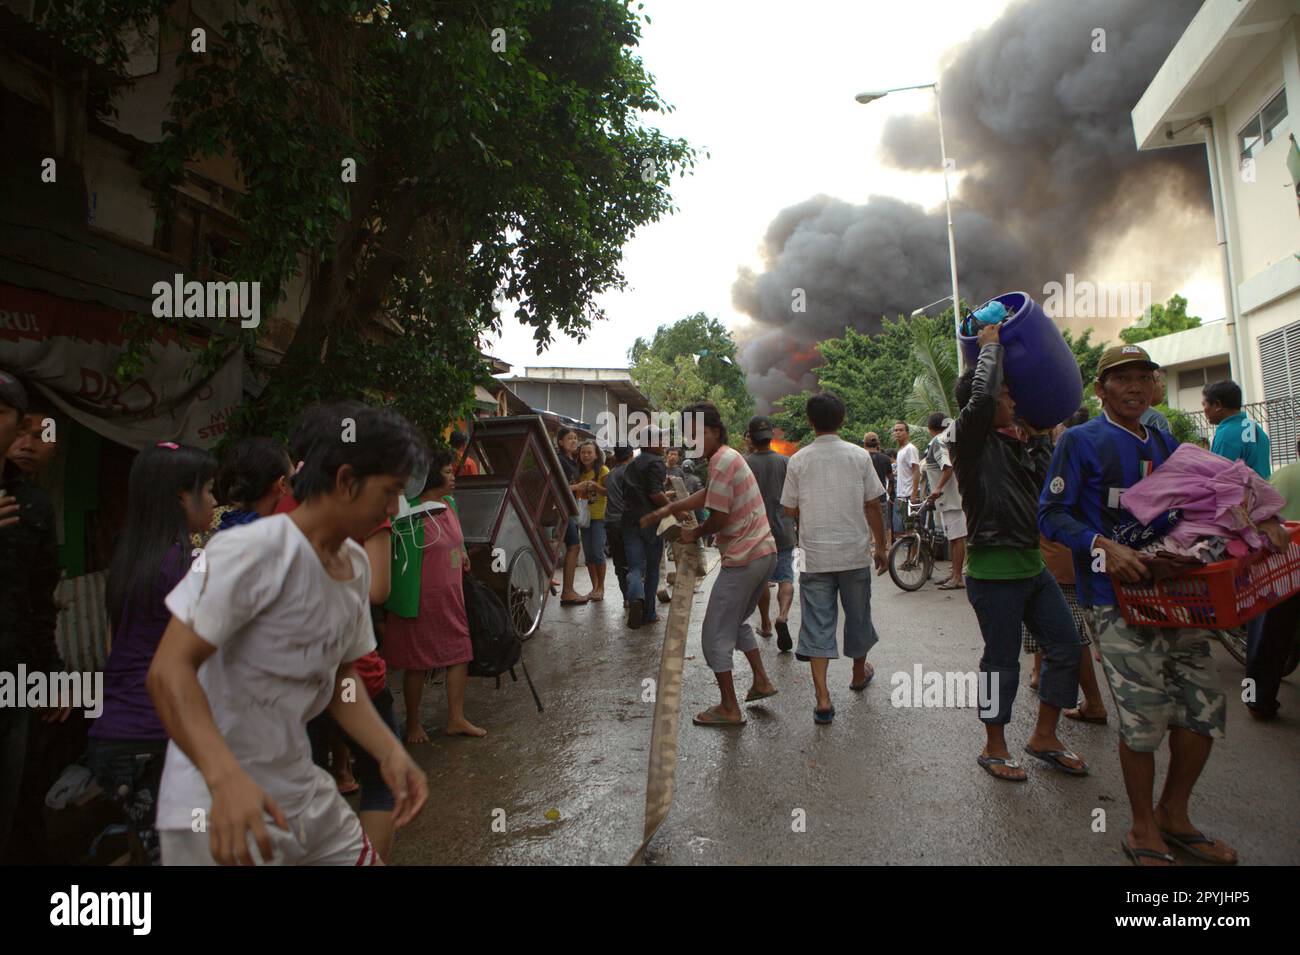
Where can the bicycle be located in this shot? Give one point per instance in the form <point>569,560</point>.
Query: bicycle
<point>911,558</point>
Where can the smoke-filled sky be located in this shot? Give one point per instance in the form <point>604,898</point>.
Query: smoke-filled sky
<point>807,189</point>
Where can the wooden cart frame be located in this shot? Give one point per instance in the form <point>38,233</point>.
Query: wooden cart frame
<point>514,513</point>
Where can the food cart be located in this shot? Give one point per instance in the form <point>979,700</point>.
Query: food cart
<point>514,513</point>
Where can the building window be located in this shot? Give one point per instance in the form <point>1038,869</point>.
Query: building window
<point>1264,127</point>
<point>1200,377</point>
<point>1279,362</point>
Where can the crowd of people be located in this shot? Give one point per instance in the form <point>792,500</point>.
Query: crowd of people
<point>257,602</point>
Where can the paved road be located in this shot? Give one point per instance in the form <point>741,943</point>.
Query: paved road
<point>883,784</point>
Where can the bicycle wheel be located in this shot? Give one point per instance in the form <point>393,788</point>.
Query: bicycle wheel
<point>1234,641</point>
<point>909,564</point>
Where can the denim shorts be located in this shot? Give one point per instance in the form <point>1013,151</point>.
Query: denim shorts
<point>593,542</point>
<point>375,794</point>
<point>784,573</point>
<point>820,597</point>
<point>571,536</point>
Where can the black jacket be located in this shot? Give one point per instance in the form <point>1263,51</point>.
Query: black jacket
<point>29,572</point>
<point>999,477</point>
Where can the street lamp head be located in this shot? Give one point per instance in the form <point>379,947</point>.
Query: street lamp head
<point>870,95</point>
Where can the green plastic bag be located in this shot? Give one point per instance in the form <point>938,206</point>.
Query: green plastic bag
<point>408,538</point>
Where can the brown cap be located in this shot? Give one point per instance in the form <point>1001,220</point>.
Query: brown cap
<point>1117,355</point>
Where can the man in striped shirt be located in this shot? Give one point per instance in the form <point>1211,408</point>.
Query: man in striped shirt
<point>738,517</point>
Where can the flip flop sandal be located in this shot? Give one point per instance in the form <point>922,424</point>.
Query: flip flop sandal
<point>949,585</point>
<point>573,603</point>
<point>783,641</point>
<point>1187,842</point>
<point>711,718</point>
<point>1079,717</point>
<point>859,687</point>
<point>1137,855</point>
<point>988,762</point>
<point>823,717</point>
<point>753,696</point>
<point>764,633</point>
<point>1053,758</point>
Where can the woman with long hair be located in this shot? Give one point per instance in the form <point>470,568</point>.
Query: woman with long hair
<point>169,497</point>
<point>592,475</point>
<point>439,635</point>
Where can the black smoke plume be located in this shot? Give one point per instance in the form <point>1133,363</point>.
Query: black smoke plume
<point>1051,178</point>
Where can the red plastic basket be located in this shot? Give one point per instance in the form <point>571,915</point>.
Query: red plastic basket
<point>1219,596</point>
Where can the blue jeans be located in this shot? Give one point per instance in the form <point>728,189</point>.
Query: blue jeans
<point>644,550</point>
<point>593,542</point>
<point>130,772</point>
<point>1001,606</point>
<point>818,593</point>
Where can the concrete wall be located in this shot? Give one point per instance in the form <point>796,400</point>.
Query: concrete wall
<point>1267,218</point>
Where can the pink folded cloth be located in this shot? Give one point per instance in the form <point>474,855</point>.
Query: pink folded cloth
<point>1218,497</point>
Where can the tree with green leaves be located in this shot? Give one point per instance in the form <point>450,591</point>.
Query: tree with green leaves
<point>693,359</point>
<point>1161,320</point>
<point>425,159</point>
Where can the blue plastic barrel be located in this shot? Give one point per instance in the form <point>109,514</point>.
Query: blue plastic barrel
<point>1041,371</point>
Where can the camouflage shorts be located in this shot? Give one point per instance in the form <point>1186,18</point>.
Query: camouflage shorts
<point>1159,677</point>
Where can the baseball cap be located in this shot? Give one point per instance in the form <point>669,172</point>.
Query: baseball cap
<point>1117,355</point>
<point>760,428</point>
<point>12,392</point>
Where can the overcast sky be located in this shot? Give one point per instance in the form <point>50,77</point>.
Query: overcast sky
<point>767,87</point>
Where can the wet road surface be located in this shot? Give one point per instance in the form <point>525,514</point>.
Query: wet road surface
<point>882,784</point>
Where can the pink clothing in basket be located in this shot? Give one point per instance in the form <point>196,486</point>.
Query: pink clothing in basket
<point>1218,497</point>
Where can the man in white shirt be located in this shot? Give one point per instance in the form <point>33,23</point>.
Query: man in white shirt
<point>832,490</point>
<point>907,475</point>
<point>264,635</point>
<point>945,496</point>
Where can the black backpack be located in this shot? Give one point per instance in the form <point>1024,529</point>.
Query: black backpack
<point>497,649</point>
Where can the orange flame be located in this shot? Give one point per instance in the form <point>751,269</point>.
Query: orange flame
<point>784,447</point>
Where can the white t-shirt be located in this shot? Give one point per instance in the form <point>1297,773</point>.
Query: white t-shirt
<point>828,481</point>
<point>282,626</point>
<point>907,456</point>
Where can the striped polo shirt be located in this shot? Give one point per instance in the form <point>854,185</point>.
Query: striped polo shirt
<point>734,491</point>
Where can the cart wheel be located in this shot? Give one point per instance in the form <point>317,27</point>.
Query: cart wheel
<point>525,592</point>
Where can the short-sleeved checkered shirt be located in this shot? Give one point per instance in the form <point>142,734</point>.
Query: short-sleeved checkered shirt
<point>828,481</point>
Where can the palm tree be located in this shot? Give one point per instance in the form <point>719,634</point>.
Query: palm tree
<point>932,349</point>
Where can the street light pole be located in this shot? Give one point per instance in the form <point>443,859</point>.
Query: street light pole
<point>952,242</point>
<point>865,98</point>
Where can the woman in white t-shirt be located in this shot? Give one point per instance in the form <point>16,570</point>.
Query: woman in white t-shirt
<point>264,632</point>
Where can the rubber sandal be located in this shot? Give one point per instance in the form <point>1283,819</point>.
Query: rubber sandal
<point>859,687</point>
<point>753,696</point>
<point>573,603</point>
<point>988,762</point>
<point>764,633</point>
<point>1053,758</point>
<point>1080,718</point>
<point>1137,855</point>
<point>950,585</point>
<point>823,717</point>
<point>710,717</point>
<point>783,641</point>
<point>1187,841</point>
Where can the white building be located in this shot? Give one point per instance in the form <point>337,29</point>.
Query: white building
<point>1232,84</point>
